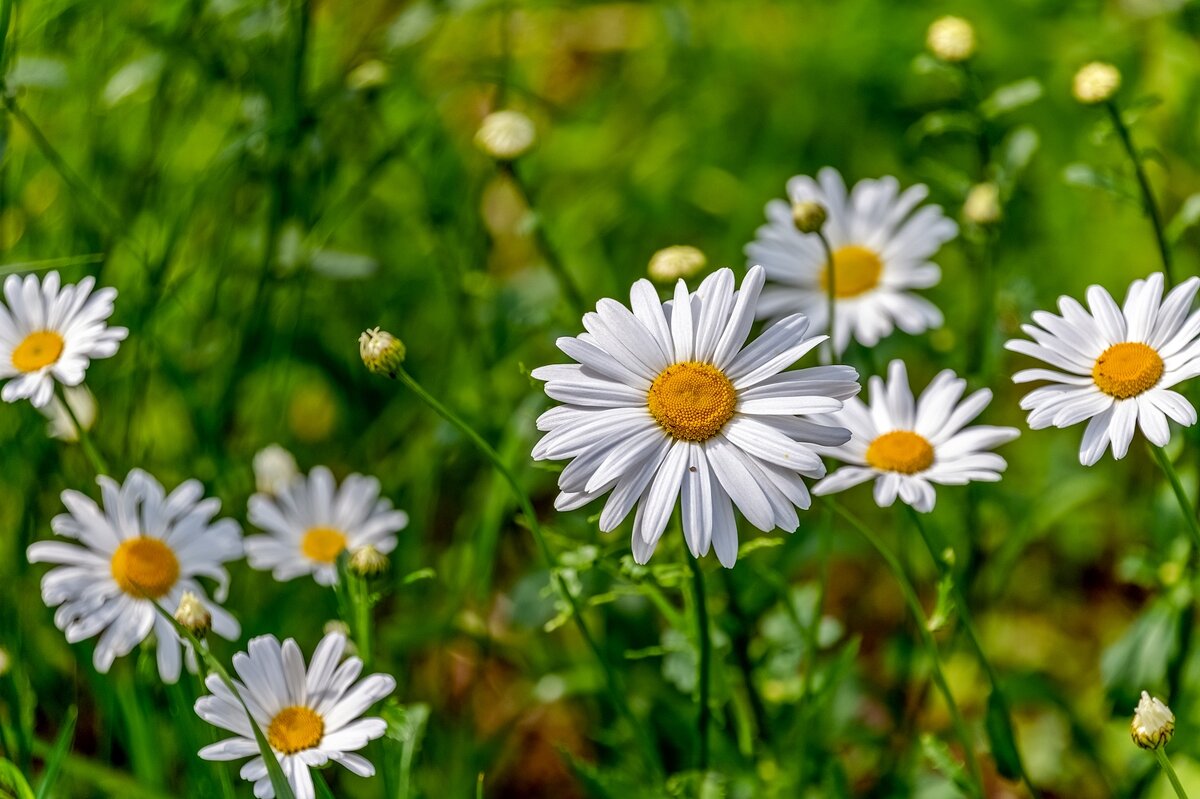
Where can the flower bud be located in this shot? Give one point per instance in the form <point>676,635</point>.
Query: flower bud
<point>1153,723</point>
<point>809,216</point>
<point>81,404</point>
<point>671,263</point>
<point>274,468</point>
<point>367,75</point>
<point>341,628</point>
<point>951,39</point>
<point>192,615</point>
<point>5,661</point>
<point>1096,83</point>
<point>381,352</point>
<point>368,561</point>
<point>983,204</point>
<point>506,135</point>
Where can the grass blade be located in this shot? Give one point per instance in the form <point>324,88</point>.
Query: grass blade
<point>62,747</point>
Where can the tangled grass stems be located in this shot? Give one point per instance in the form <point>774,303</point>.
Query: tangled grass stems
<point>1149,204</point>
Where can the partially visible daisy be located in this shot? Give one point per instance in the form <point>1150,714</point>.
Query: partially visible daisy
<point>49,334</point>
<point>905,446</point>
<point>1118,365</point>
<point>310,521</point>
<point>668,402</point>
<point>310,717</point>
<point>881,251</point>
<point>140,545</point>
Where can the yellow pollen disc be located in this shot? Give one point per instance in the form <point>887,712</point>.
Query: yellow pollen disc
<point>1127,369</point>
<point>39,349</point>
<point>856,270</point>
<point>692,400</point>
<point>145,567</point>
<point>323,544</point>
<point>900,451</point>
<point>295,729</point>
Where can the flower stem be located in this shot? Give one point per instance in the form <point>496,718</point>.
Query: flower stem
<point>702,675</point>
<point>831,291</point>
<point>914,606</point>
<point>85,439</point>
<point>1185,504</point>
<point>611,681</point>
<point>1165,762</point>
<point>1148,201</point>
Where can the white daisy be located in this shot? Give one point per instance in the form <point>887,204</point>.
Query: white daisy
<point>881,251</point>
<point>49,334</point>
<point>1119,365</point>
<point>141,543</point>
<point>310,522</point>
<point>309,716</point>
<point>665,400</point>
<point>906,445</point>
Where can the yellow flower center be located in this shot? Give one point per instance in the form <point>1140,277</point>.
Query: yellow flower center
<point>323,544</point>
<point>692,400</point>
<point>856,270</point>
<point>40,348</point>
<point>295,729</point>
<point>145,567</point>
<point>1127,369</point>
<point>900,451</point>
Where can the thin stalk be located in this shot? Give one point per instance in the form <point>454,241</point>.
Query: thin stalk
<point>1148,202</point>
<point>1185,504</point>
<point>1169,770</point>
<point>831,291</point>
<point>914,605</point>
<point>611,681</point>
<point>704,637</point>
<point>741,646</point>
<point>812,641</point>
<point>360,593</point>
<point>85,438</point>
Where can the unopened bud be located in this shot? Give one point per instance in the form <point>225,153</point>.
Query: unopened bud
<point>192,615</point>
<point>274,468</point>
<point>983,204</point>
<point>1153,723</point>
<point>381,352</point>
<point>1096,83</point>
<point>5,661</point>
<point>809,216</point>
<point>368,561</point>
<point>506,135</point>
<point>671,263</point>
<point>951,39</point>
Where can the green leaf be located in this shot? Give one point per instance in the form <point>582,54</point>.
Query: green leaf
<point>1139,658</point>
<point>940,123</point>
<point>1079,174</point>
<point>62,747</point>
<point>1016,152</point>
<point>12,782</point>
<point>1187,216</point>
<point>321,787</point>
<point>945,603</point>
<point>1000,733</point>
<point>1011,97</point>
<point>944,763</point>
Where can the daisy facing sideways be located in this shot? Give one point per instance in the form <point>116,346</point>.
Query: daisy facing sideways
<point>882,246</point>
<point>668,402</point>
<point>49,334</point>
<point>907,445</point>
<point>310,521</point>
<point>310,716</point>
<point>141,544</point>
<point>1114,367</point>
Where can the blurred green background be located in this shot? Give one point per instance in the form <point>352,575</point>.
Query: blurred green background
<point>262,180</point>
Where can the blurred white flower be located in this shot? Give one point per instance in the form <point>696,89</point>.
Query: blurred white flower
<point>906,445</point>
<point>982,206</point>
<point>274,468</point>
<point>668,402</point>
<point>1118,365</point>
<point>82,403</point>
<point>49,334</point>
<point>506,135</point>
<point>1153,723</point>
<point>678,261</point>
<point>141,544</point>
<point>310,715</point>
<point>951,39</point>
<point>881,250</point>
<point>1096,83</point>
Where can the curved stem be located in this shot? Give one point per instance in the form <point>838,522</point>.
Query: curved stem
<point>831,292</point>
<point>1148,201</point>
<point>1165,762</point>
<point>702,678</point>
<point>85,438</point>
<point>1185,504</point>
<point>914,605</point>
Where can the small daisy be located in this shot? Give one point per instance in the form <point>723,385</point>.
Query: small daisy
<point>309,716</point>
<point>1118,365</point>
<point>905,445</point>
<point>881,251</point>
<point>49,334</point>
<point>141,543</point>
<point>310,521</point>
<point>668,401</point>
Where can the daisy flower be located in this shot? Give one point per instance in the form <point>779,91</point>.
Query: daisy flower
<point>881,251</point>
<point>1118,365</point>
<point>906,445</point>
<point>668,401</point>
<point>49,334</point>
<point>141,544</point>
<point>310,521</point>
<point>309,716</point>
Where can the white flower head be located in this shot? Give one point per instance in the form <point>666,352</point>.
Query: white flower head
<point>140,544</point>
<point>82,404</point>
<point>951,39</point>
<point>907,445</point>
<point>506,135</point>
<point>678,261</point>
<point>312,520</point>
<point>310,716</point>
<point>982,206</point>
<point>881,246</point>
<point>667,401</point>
<point>1096,83</point>
<point>1153,723</point>
<point>1115,366</point>
<point>51,333</point>
<point>274,468</point>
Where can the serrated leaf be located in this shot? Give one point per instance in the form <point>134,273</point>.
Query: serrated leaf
<point>1187,216</point>
<point>1011,97</point>
<point>1003,740</point>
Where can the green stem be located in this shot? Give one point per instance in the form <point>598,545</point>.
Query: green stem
<point>1185,504</point>
<point>1148,201</point>
<point>705,641</point>
<point>360,594</point>
<point>831,291</point>
<point>1165,762</point>
<point>914,605</point>
<point>611,681</point>
<point>85,438</point>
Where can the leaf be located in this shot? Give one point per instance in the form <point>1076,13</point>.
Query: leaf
<point>940,123</point>
<point>1000,733</point>
<point>944,763</point>
<point>12,782</point>
<point>1016,151</point>
<point>1011,97</point>
<point>62,747</point>
<point>342,265</point>
<point>1187,216</point>
<point>321,787</point>
<point>945,603</point>
<point>1079,174</point>
<point>1139,658</point>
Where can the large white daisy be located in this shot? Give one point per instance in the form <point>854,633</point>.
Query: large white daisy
<point>311,520</point>
<point>665,400</point>
<point>141,544</point>
<point>906,445</point>
<point>49,334</point>
<point>1118,365</point>
<point>881,251</point>
<point>309,716</point>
